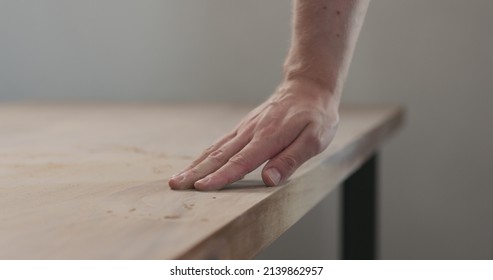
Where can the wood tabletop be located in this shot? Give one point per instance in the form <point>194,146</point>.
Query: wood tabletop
<point>89,181</point>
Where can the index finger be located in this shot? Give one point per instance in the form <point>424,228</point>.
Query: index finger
<point>257,151</point>
<point>242,163</point>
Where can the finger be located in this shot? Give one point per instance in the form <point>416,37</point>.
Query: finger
<point>284,164</point>
<point>210,150</point>
<point>237,166</point>
<point>260,149</point>
<point>211,163</point>
<point>175,179</point>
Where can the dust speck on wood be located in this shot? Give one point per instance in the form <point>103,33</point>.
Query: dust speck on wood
<point>188,206</point>
<point>171,217</point>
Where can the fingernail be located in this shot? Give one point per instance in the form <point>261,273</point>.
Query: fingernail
<point>177,178</point>
<point>274,175</point>
<point>203,180</point>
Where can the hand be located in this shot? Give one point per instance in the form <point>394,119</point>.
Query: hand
<point>297,122</point>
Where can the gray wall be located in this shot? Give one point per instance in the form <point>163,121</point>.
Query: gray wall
<point>146,49</point>
<point>435,57</point>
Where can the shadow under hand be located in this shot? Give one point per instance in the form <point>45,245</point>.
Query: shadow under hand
<point>248,185</point>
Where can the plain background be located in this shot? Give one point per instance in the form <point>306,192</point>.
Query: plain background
<point>434,57</point>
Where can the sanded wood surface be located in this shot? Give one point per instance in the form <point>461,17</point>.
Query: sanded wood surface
<point>89,181</point>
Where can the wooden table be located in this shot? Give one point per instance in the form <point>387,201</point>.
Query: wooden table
<point>89,181</point>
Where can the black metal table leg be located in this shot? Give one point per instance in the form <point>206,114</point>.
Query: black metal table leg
<point>359,213</point>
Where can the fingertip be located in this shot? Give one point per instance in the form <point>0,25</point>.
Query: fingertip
<point>205,185</point>
<point>209,183</point>
<point>178,183</point>
<point>202,184</point>
<point>173,184</point>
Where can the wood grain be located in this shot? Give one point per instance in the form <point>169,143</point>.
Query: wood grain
<point>87,181</point>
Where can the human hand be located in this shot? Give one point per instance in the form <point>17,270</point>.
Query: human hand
<point>296,123</point>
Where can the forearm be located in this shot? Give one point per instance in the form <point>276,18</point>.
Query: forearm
<point>323,41</point>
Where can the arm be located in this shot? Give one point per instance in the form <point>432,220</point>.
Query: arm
<point>300,119</point>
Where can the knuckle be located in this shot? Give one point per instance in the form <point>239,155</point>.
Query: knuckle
<point>209,149</point>
<point>196,162</point>
<point>315,143</point>
<point>217,156</point>
<point>232,134</point>
<point>204,154</point>
<point>264,134</point>
<point>271,138</point>
<point>290,162</point>
<point>307,115</point>
<point>193,172</point>
<point>245,129</point>
<point>304,116</point>
<point>241,161</point>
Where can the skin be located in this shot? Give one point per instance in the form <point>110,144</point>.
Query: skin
<point>301,117</point>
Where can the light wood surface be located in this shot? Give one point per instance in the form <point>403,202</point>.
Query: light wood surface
<point>89,181</point>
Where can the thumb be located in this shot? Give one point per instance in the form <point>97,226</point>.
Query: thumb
<point>284,164</point>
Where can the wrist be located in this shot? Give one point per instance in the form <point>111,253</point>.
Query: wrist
<point>314,70</point>
<point>304,87</point>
